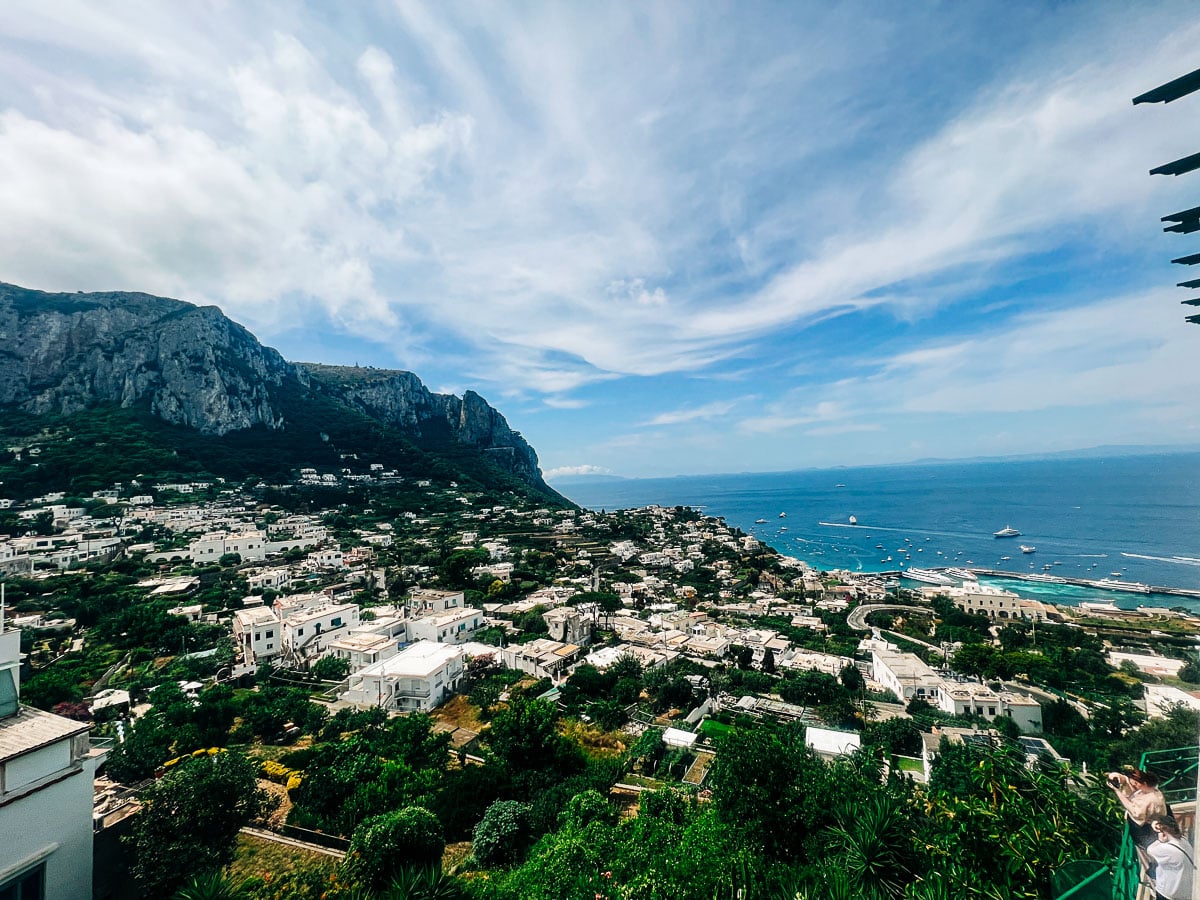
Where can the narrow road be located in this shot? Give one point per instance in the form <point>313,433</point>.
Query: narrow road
<point>858,616</point>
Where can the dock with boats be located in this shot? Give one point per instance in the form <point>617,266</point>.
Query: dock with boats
<point>1104,584</point>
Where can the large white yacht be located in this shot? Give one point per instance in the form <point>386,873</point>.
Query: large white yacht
<point>1006,531</point>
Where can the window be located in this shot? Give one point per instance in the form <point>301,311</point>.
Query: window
<point>271,633</point>
<point>270,646</point>
<point>336,622</point>
<point>29,885</point>
<point>991,710</point>
<point>8,693</point>
<point>300,632</point>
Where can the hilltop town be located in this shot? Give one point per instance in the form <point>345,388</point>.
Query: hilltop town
<point>167,618</point>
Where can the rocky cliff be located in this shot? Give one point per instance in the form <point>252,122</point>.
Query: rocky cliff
<point>63,353</point>
<point>192,366</point>
<point>399,398</point>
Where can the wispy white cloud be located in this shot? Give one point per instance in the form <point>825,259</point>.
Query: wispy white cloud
<point>714,410</point>
<point>431,176</point>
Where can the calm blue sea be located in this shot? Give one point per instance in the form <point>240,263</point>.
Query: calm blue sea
<point>1089,518</point>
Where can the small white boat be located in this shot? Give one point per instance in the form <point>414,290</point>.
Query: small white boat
<point>853,520</point>
<point>1028,549</point>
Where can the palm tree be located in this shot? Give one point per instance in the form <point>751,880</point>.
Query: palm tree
<point>873,846</point>
<point>214,885</point>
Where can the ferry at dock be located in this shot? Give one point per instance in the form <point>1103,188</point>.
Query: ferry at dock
<point>928,576</point>
<point>1111,584</point>
<point>961,574</point>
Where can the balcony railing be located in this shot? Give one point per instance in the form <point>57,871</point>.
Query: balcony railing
<point>1177,772</point>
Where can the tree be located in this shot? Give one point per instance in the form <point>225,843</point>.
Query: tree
<point>768,663</point>
<point>524,738</point>
<point>331,668</point>
<point>190,820</point>
<point>384,846</point>
<point>872,844</point>
<point>147,746</point>
<point>1190,672</point>
<point>851,679</point>
<point>502,834</point>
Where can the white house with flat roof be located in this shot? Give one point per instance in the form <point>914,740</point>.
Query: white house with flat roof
<point>306,633</point>
<point>258,633</point>
<point>46,775</point>
<point>456,626</point>
<point>904,674</point>
<point>964,698</point>
<point>418,678</point>
<point>362,650</point>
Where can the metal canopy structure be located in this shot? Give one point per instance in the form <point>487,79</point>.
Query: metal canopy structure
<point>1185,222</point>
<point>1172,90</point>
<point>1188,220</point>
<point>1179,166</point>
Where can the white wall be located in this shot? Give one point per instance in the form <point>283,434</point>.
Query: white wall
<point>54,822</point>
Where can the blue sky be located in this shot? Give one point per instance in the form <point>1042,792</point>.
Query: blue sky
<point>661,238</point>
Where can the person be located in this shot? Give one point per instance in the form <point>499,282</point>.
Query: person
<point>1173,864</point>
<point>1139,794</point>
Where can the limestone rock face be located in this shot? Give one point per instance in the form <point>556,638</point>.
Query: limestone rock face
<point>400,398</point>
<point>64,353</point>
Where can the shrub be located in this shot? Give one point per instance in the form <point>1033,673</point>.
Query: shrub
<point>384,846</point>
<point>502,834</point>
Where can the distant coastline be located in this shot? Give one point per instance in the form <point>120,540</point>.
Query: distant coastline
<point>1134,517</point>
<point>1107,451</point>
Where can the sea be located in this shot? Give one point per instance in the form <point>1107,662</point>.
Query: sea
<point>1135,518</point>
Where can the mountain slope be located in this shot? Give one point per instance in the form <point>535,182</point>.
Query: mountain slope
<point>189,379</point>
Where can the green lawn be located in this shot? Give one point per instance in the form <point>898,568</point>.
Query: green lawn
<point>712,729</point>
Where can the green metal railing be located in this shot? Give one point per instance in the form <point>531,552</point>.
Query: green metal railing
<point>1177,772</point>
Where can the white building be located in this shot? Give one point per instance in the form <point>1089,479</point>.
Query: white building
<point>904,674</point>
<point>249,545</point>
<point>962,698</point>
<point>454,627</point>
<point>542,658</point>
<point>989,601</point>
<point>362,650</point>
<point>422,602</point>
<point>416,679</point>
<point>46,775</point>
<point>258,634</point>
<point>306,634</point>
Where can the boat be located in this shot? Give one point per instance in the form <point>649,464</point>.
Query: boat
<point>783,515</point>
<point>879,546</point>
<point>853,520</point>
<point>964,574</point>
<point>1027,549</point>
<point>1005,558</point>
<point>1006,531</point>
<point>759,521</point>
<point>928,576</point>
<point>1114,585</point>
<point>1048,579</point>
